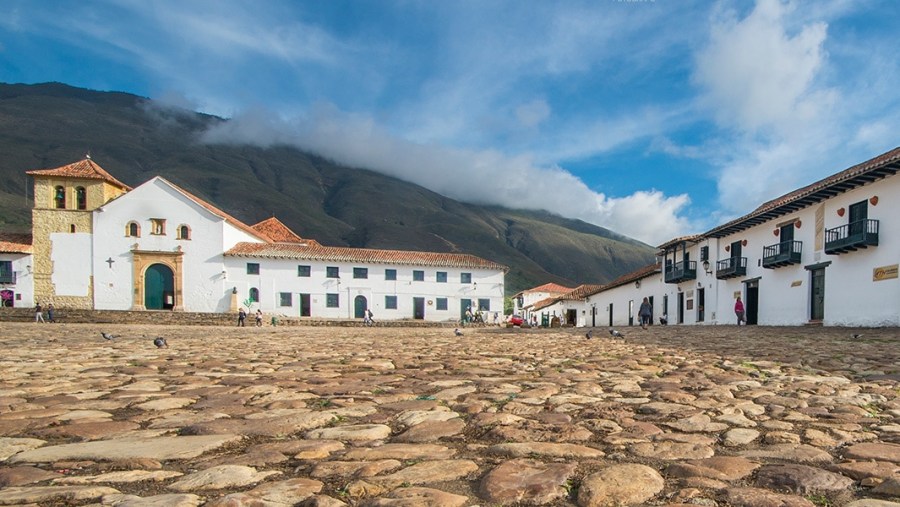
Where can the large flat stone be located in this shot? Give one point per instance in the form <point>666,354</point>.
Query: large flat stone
<point>159,448</point>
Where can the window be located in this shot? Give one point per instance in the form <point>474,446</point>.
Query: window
<point>158,226</point>
<point>440,304</point>
<point>465,278</point>
<point>6,273</point>
<point>390,302</point>
<point>418,276</point>
<point>72,228</point>
<point>133,230</point>
<point>184,232</point>
<point>254,295</point>
<point>252,268</point>
<point>331,301</point>
<point>704,253</point>
<point>81,198</point>
<point>390,274</point>
<point>285,299</point>
<point>484,305</point>
<point>59,197</point>
<point>304,271</point>
<point>441,277</point>
<point>332,272</point>
<point>360,272</point>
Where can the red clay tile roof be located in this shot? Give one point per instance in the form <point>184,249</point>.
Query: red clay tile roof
<point>216,211</point>
<point>635,275</point>
<point>86,169</point>
<point>870,170</point>
<point>583,291</point>
<point>672,242</point>
<point>15,243</point>
<point>543,303</point>
<point>317,252</point>
<point>280,233</point>
<point>552,288</point>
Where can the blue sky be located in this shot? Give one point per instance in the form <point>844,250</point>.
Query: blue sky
<point>652,118</point>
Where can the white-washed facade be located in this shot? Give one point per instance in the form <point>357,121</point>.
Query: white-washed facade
<point>16,283</point>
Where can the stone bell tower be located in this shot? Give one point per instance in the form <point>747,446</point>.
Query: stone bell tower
<point>62,229</point>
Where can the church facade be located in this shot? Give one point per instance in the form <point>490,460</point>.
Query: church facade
<point>98,244</point>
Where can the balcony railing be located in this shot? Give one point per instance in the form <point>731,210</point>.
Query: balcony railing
<point>8,277</point>
<point>681,271</point>
<point>782,254</point>
<point>850,237</point>
<point>731,267</point>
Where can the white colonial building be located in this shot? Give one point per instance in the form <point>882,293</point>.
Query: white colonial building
<point>824,254</point>
<point>99,244</point>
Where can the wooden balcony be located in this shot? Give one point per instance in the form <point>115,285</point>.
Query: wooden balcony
<point>9,278</point>
<point>681,271</point>
<point>782,254</point>
<point>851,237</point>
<point>731,267</point>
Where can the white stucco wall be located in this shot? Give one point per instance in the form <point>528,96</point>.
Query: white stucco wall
<point>280,275</point>
<point>204,286</point>
<point>619,297</point>
<point>23,289</point>
<point>71,257</point>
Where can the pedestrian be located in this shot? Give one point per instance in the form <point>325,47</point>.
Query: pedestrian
<point>259,317</point>
<point>496,318</point>
<point>38,313</point>
<point>50,310</point>
<point>367,319</point>
<point>739,310</point>
<point>645,313</point>
<point>242,316</point>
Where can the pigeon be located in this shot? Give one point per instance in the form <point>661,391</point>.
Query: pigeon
<point>589,334</point>
<point>107,336</point>
<point>856,336</point>
<point>160,342</point>
<point>457,332</point>
<point>616,334</point>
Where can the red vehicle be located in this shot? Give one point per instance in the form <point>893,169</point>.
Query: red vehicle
<point>516,320</point>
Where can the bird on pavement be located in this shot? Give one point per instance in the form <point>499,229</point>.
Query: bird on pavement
<point>457,332</point>
<point>160,342</point>
<point>856,336</point>
<point>616,334</point>
<point>589,334</point>
<point>108,336</point>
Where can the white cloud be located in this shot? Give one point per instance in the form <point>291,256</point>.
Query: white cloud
<point>482,176</point>
<point>757,75</point>
<point>533,113</point>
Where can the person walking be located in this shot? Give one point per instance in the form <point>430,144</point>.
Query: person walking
<point>739,310</point>
<point>645,313</point>
<point>242,316</point>
<point>50,311</point>
<point>367,317</point>
<point>259,317</point>
<point>38,313</point>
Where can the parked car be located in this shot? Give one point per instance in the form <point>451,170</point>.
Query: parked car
<point>516,320</point>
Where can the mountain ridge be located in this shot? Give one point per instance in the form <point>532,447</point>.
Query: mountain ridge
<point>134,138</point>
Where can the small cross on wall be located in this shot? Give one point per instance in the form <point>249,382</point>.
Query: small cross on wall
<point>110,262</point>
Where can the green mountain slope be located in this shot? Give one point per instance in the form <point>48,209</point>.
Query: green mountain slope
<point>48,125</point>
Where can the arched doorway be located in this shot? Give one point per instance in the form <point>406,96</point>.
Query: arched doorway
<point>359,307</point>
<point>159,287</point>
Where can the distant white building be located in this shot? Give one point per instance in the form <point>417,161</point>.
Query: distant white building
<point>16,287</point>
<point>524,301</point>
<point>99,244</point>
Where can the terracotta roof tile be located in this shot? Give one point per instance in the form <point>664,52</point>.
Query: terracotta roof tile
<point>300,251</point>
<point>635,275</point>
<point>216,211</point>
<point>86,169</point>
<point>552,288</point>
<point>15,243</point>
<point>543,303</point>
<point>280,233</point>
<point>692,238</point>
<point>583,291</point>
<point>840,180</point>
